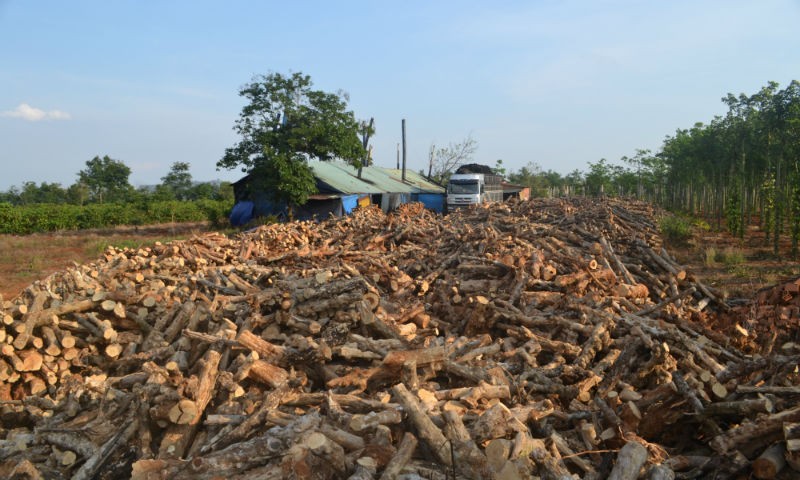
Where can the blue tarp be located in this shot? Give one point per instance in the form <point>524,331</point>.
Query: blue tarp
<point>241,213</point>
<point>432,201</point>
<point>349,203</point>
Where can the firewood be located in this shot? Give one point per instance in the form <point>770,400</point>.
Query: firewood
<point>630,460</point>
<point>747,432</point>
<point>791,435</point>
<point>312,348</point>
<point>404,452</point>
<point>660,472</point>
<point>770,462</point>
<point>427,430</point>
<point>470,461</point>
<point>178,437</point>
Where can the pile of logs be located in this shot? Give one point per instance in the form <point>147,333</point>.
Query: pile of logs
<point>770,321</point>
<point>554,339</point>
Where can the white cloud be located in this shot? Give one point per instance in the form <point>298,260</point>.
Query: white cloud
<point>33,114</point>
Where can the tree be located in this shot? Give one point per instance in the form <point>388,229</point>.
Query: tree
<point>78,193</point>
<point>499,169</point>
<point>445,160</point>
<point>285,124</point>
<point>43,193</point>
<point>178,180</point>
<point>530,175</point>
<point>106,179</point>
<point>599,178</point>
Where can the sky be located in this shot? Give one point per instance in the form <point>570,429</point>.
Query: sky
<point>556,83</point>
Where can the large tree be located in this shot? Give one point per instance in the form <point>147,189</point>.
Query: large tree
<point>106,179</point>
<point>178,181</point>
<point>285,124</point>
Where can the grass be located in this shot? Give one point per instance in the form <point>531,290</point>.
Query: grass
<point>731,257</point>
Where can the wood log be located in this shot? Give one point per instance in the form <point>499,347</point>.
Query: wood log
<point>630,460</point>
<point>469,460</point>
<point>660,472</point>
<point>405,450</point>
<point>738,435</point>
<point>770,462</point>
<point>428,431</point>
<point>177,440</point>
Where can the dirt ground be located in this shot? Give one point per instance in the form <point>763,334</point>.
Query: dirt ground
<point>25,259</point>
<point>736,267</point>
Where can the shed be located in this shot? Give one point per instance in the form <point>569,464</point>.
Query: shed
<point>516,191</point>
<point>340,190</point>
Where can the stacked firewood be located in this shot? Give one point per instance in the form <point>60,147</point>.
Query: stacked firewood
<point>549,338</point>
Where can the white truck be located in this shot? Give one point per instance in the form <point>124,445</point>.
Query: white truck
<point>473,184</point>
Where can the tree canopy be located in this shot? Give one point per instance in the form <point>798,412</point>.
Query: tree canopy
<point>106,179</point>
<point>286,123</point>
<point>178,181</point>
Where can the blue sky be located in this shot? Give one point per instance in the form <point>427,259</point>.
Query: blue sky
<point>558,83</point>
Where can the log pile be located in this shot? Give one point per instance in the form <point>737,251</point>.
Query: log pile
<point>551,338</point>
<point>770,321</point>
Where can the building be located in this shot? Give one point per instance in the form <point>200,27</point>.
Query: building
<point>339,192</point>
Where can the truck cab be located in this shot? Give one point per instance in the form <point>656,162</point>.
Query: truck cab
<point>465,189</point>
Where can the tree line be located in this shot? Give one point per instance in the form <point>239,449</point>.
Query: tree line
<point>106,181</point>
<point>738,169</point>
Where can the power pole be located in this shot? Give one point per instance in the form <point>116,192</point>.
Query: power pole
<point>404,149</point>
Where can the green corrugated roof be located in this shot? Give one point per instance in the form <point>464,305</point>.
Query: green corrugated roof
<point>344,178</point>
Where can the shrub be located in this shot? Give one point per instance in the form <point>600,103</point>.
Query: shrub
<point>675,229</point>
<point>731,257</point>
<point>25,219</point>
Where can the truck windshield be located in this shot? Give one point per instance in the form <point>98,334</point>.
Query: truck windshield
<point>468,187</point>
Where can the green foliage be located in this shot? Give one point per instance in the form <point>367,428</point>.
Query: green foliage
<point>284,124</point>
<point>178,181</point>
<point>499,169</point>
<point>733,214</point>
<point>285,179</point>
<point>768,209</point>
<point>106,179</point>
<point>701,224</point>
<point>675,229</point>
<point>794,222</point>
<point>599,178</point>
<point>531,176</point>
<point>27,219</point>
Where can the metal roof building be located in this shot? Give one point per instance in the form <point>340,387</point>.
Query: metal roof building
<point>340,190</point>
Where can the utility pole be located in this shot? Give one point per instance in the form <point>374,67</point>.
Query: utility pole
<point>404,149</point>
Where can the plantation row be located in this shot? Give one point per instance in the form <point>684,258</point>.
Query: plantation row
<point>25,219</point>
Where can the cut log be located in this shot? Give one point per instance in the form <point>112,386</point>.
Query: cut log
<point>630,460</point>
